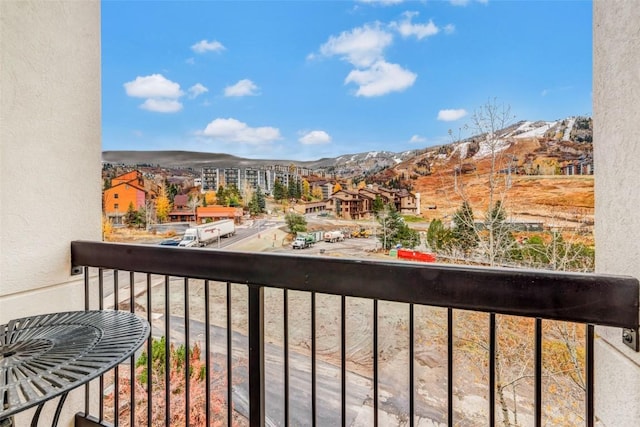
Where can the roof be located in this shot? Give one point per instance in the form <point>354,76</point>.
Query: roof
<point>217,211</point>
<point>181,200</point>
<point>130,184</point>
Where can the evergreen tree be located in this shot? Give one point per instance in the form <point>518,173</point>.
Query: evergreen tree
<point>464,230</point>
<point>262,204</point>
<point>221,196</point>
<point>439,237</point>
<point>278,190</point>
<point>298,190</point>
<point>291,189</point>
<point>395,231</point>
<point>406,237</point>
<point>377,206</point>
<point>257,203</point>
<point>254,207</point>
<point>501,242</point>
<point>131,216</point>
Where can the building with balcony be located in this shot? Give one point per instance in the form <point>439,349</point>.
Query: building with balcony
<point>253,178</point>
<point>38,41</point>
<point>358,204</point>
<point>126,190</point>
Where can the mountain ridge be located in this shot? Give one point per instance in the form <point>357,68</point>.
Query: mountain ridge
<point>571,129</point>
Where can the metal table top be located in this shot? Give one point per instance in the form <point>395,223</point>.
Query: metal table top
<point>48,355</point>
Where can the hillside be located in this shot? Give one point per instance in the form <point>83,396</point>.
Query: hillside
<point>348,164</point>
<point>532,157</point>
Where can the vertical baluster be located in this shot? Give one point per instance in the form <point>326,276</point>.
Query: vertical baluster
<point>492,369</point>
<point>86,307</point>
<point>285,308</point>
<point>450,367</point>
<point>412,409</point>
<point>589,404</point>
<point>132,361</point>
<point>101,306</point>
<point>375,363</point>
<point>167,352</point>
<point>116,371</point>
<point>149,355</point>
<point>187,361</point>
<point>538,373</point>
<point>343,359</point>
<point>256,356</point>
<point>229,359</point>
<point>207,357</point>
<point>313,359</point>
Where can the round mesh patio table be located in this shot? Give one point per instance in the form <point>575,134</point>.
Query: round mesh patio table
<point>45,356</point>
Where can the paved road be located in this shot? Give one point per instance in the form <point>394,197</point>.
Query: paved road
<point>242,233</point>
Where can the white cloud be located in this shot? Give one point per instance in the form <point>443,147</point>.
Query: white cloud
<point>406,28</point>
<point>232,130</point>
<point>197,90</point>
<point>381,78</point>
<point>244,87</point>
<point>361,46</point>
<point>153,86</point>
<point>162,105</point>
<point>207,46</point>
<point>315,137</point>
<point>451,115</point>
<point>415,139</point>
<point>449,29</point>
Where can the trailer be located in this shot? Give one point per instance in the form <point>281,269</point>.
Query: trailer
<point>333,236</point>
<point>204,234</point>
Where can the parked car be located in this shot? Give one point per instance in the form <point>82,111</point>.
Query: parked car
<point>170,242</point>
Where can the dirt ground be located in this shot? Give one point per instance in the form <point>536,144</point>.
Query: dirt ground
<point>557,200</point>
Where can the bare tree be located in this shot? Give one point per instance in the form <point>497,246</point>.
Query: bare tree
<point>494,238</point>
<point>488,121</point>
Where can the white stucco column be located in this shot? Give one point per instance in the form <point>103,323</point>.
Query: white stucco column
<point>50,149</point>
<point>616,108</point>
<point>50,152</point>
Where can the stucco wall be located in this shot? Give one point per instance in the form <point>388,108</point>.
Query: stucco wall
<point>616,91</point>
<point>49,151</point>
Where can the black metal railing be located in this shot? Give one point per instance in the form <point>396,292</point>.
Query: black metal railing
<point>205,281</point>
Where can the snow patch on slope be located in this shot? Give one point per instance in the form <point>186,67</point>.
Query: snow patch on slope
<point>462,148</point>
<point>530,130</point>
<point>491,146</point>
<point>567,132</point>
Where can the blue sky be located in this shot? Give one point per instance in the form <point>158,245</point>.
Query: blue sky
<point>302,80</point>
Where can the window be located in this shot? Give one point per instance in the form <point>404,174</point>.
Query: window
<point>115,196</point>
<point>115,206</point>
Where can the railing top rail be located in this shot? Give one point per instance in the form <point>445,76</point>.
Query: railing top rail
<point>585,298</point>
